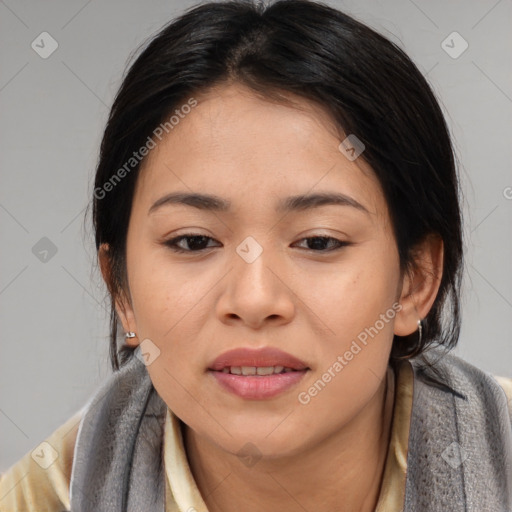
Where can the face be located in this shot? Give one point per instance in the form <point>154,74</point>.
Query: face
<point>319,280</point>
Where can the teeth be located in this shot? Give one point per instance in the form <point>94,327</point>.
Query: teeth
<point>253,370</point>
<point>268,370</point>
<point>265,370</point>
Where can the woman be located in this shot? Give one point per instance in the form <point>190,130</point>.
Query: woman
<point>277,221</point>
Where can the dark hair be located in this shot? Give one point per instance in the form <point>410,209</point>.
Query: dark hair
<point>367,83</point>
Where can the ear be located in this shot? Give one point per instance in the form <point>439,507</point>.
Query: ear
<point>122,303</point>
<point>420,284</point>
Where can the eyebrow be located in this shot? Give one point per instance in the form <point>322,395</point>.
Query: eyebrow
<point>210,202</point>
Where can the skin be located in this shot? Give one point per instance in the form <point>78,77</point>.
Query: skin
<point>307,300</point>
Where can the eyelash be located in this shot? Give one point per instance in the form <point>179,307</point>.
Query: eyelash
<point>172,243</point>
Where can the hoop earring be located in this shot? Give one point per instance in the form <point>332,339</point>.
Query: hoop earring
<point>130,335</point>
<point>420,332</point>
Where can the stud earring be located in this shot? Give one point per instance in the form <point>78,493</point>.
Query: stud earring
<point>130,335</point>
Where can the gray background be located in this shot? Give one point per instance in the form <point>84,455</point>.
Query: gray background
<point>54,327</point>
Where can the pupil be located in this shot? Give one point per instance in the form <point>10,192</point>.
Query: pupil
<point>195,244</point>
<point>318,243</point>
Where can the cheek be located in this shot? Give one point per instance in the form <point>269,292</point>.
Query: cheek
<point>353,361</point>
<point>359,306</point>
<point>165,295</point>
<point>351,296</point>
<point>172,303</point>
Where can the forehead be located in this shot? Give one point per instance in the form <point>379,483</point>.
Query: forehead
<point>237,145</point>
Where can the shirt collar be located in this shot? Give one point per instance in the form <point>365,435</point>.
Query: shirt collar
<point>187,497</point>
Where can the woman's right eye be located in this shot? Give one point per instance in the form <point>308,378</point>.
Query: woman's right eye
<point>194,242</point>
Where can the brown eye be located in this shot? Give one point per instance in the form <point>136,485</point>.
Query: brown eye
<point>321,243</point>
<point>193,243</point>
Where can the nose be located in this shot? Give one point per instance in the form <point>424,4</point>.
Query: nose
<point>256,291</point>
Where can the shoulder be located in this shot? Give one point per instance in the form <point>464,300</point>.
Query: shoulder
<point>466,380</point>
<point>460,436</point>
<point>506,384</point>
<point>40,479</point>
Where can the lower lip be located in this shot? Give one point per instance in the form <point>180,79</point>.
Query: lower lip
<point>258,387</point>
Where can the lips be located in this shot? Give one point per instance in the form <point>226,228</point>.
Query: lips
<point>245,358</point>
<point>257,374</point>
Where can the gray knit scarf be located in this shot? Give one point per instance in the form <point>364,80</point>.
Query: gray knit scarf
<point>459,459</point>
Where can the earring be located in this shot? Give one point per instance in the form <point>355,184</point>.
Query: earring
<point>130,335</point>
<point>420,332</point>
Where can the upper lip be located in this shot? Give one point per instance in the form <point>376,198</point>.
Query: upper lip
<point>268,356</point>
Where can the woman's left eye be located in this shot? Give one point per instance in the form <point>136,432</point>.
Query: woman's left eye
<point>320,242</point>
<point>197,243</point>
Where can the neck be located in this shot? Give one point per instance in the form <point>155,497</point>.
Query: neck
<point>345,468</point>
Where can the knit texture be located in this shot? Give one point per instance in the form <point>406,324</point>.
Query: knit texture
<point>460,443</point>
<point>118,459</point>
<point>459,457</point>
